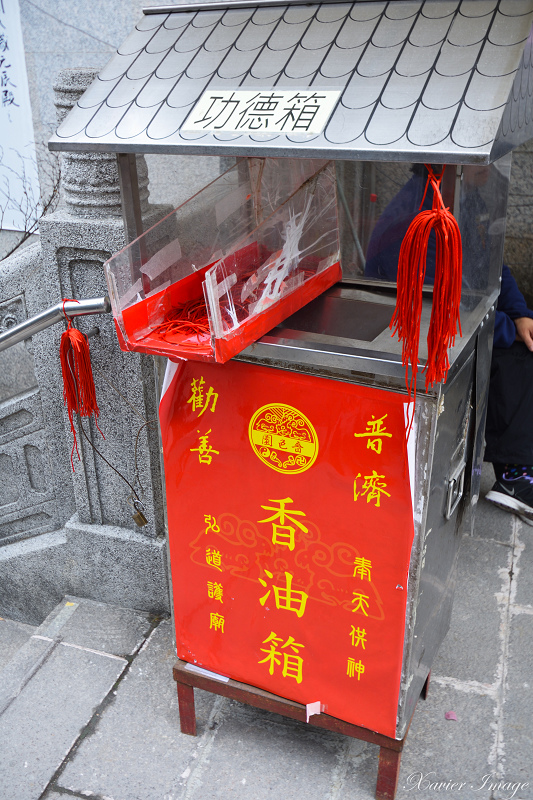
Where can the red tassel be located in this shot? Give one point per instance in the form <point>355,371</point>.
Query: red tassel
<point>445,320</point>
<point>78,382</point>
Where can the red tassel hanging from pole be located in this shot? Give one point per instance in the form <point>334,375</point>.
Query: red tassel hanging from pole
<point>444,321</point>
<point>78,382</point>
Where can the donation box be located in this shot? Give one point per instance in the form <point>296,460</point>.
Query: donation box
<point>283,491</point>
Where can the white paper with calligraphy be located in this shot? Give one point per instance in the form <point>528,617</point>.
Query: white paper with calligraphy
<point>268,111</point>
<point>19,184</point>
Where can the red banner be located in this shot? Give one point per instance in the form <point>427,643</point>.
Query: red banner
<point>290,527</point>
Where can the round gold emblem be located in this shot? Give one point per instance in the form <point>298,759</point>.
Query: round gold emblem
<point>283,438</point>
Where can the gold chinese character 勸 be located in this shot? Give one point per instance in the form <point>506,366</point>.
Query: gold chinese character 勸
<point>292,663</point>
<point>197,398</point>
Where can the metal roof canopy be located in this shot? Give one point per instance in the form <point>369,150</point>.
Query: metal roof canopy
<point>446,81</point>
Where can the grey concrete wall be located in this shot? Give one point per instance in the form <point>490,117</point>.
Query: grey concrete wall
<point>518,252</point>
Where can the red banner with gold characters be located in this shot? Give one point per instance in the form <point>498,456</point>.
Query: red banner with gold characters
<point>290,527</point>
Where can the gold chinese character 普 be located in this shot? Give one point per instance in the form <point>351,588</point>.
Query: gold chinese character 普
<point>211,524</point>
<point>292,662</point>
<point>362,568</point>
<point>354,667</point>
<point>286,597</point>
<point>215,590</point>
<point>358,636</point>
<point>197,398</point>
<point>375,430</point>
<point>216,621</point>
<point>204,449</point>
<point>284,534</point>
<point>213,558</point>
<point>372,487</point>
<point>361,601</point>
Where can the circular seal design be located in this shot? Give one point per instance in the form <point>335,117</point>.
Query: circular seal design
<point>283,438</point>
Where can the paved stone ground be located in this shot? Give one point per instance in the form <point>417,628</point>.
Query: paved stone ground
<point>96,714</point>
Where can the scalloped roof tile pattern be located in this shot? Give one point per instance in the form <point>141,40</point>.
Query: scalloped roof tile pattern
<point>442,80</point>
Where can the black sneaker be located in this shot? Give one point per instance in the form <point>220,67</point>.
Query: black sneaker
<point>514,494</point>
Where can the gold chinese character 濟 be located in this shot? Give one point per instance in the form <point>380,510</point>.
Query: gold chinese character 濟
<point>375,430</point>
<point>361,601</point>
<point>204,449</point>
<point>199,402</point>
<point>214,558</point>
<point>284,534</point>
<point>216,621</point>
<point>354,667</point>
<point>362,568</point>
<point>358,636</point>
<point>211,524</point>
<point>292,662</point>
<point>286,597</point>
<point>372,487</point>
<point>215,590</point>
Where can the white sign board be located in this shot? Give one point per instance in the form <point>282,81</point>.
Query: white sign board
<point>19,184</point>
<point>288,111</point>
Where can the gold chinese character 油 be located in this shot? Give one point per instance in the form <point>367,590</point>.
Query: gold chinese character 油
<point>362,567</point>
<point>216,621</point>
<point>361,602</point>
<point>199,401</point>
<point>283,534</point>
<point>358,636</point>
<point>372,487</point>
<point>292,662</point>
<point>354,667</point>
<point>375,430</point>
<point>215,590</point>
<point>213,558</point>
<point>286,597</point>
<point>204,449</point>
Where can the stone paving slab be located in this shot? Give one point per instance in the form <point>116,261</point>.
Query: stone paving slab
<point>40,727</point>
<point>471,649</point>
<point>524,589</point>
<point>137,751</point>
<point>12,636</point>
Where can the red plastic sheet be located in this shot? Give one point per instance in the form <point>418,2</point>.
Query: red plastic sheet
<point>290,526</point>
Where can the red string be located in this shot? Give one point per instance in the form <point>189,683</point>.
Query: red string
<point>445,321</point>
<point>78,382</point>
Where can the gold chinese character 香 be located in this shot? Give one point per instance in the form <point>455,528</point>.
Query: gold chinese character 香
<point>283,534</point>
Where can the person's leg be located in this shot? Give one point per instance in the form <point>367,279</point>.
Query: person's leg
<point>509,431</point>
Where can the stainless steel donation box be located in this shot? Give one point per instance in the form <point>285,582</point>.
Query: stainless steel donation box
<point>314,512</point>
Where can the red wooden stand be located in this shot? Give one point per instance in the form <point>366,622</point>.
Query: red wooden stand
<point>390,751</point>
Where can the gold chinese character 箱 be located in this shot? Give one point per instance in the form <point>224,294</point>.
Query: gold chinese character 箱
<point>361,601</point>
<point>375,430</point>
<point>213,558</point>
<point>284,534</point>
<point>211,524</point>
<point>286,597</point>
<point>204,449</point>
<point>358,636</point>
<point>197,398</point>
<point>292,662</point>
<point>372,487</point>
<point>216,621</point>
<point>354,667</point>
<point>215,590</point>
<point>362,568</point>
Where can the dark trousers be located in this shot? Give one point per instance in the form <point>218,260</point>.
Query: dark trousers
<point>509,431</point>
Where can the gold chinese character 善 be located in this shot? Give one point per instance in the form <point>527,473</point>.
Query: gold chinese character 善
<point>292,663</point>
<point>375,430</point>
<point>199,401</point>
<point>204,449</point>
<point>286,597</point>
<point>283,534</point>
<point>372,487</point>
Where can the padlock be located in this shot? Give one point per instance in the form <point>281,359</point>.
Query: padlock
<point>139,517</point>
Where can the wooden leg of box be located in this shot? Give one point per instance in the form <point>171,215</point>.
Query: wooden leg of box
<point>388,772</point>
<point>186,707</point>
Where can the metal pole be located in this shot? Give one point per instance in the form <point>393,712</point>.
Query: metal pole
<point>68,308</point>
